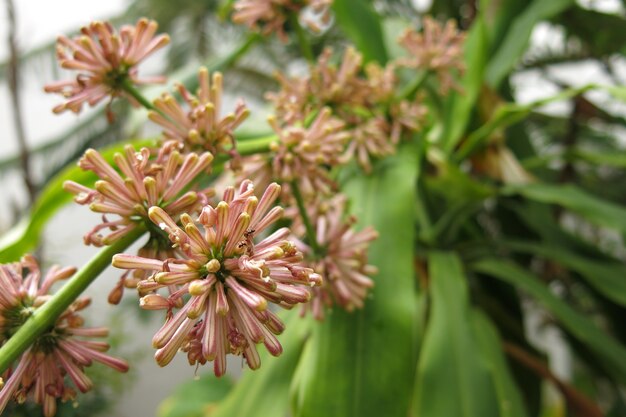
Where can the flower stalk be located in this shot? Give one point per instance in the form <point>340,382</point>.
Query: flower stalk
<point>310,230</point>
<point>305,46</point>
<point>45,316</point>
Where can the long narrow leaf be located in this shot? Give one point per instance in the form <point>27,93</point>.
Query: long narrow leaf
<point>451,381</point>
<point>609,352</point>
<point>362,362</point>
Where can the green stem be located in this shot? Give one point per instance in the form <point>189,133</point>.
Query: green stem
<point>256,145</point>
<point>128,86</point>
<point>413,86</point>
<point>46,315</point>
<point>310,231</point>
<point>305,46</point>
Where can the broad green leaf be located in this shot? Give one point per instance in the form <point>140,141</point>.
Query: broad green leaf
<point>25,235</point>
<point>361,23</point>
<point>609,352</point>
<point>510,402</point>
<point>607,277</point>
<point>516,40</point>
<point>195,398</point>
<point>265,392</point>
<point>594,209</point>
<point>452,378</point>
<point>362,363</point>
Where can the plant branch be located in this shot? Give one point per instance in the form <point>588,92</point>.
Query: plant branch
<point>45,316</point>
<point>13,76</point>
<point>310,230</point>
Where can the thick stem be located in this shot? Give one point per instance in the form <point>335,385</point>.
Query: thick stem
<point>310,230</point>
<point>305,46</point>
<point>46,315</point>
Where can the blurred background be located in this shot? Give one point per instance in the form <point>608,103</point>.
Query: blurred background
<point>566,50</point>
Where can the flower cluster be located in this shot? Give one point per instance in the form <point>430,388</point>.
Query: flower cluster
<point>105,60</point>
<point>59,355</point>
<point>228,277</point>
<point>438,48</point>
<point>343,261</point>
<point>301,155</point>
<point>271,16</point>
<point>361,97</point>
<point>201,127</point>
<point>143,181</point>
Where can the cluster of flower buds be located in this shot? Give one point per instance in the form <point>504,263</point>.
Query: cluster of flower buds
<point>438,49</point>
<point>59,355</point>
<point>271,16</point>
<point>105,60</point>
<point>227,279</point>
<point>201,127</point>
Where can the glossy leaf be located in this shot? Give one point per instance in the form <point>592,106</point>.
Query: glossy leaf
<point>460,106</point>
<point>517,38</point>
<point>609,352</point>
<point>359,20</point>
<point>361,363</point>
<point>594,209</point>
<point>607,277</point>
<point>510,401</point>
<point>451,381</point>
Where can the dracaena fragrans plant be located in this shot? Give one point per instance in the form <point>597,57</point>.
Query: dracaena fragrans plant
<point>378,252</point>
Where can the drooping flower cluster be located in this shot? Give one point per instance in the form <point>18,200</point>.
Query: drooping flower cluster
<point>60,354</point>
<point>228,277</point>
<point>438,48</point>
<point>201,127</point>
<point>343,261</point>
<point>105,60</point>
<point>271,16</point>
<point>143,182</point>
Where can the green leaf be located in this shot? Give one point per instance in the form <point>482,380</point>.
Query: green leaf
<point>598,211</point>
<point>460,106</point>
<point>452,380</point>
<point>265,392</point>
<point>518,36</point>
<point>195,398</point>
<point>609,352</point>
<point>361,23</point>
<point>25,235</point>
<point>362,363</point>
<point>509,114</point>
<point>510,402</point>
<point>607,277</point>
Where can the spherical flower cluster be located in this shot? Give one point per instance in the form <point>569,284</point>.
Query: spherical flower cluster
<point>270,16</point>
<point>343,261</point>
<point>143,182</point>
<point>201,126</point>
<point>105,60</point>
<point>438,48</point>
<point>228,277</point>
<point>302,155</point>
<point>360,97</point>
<point>60,354</point>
